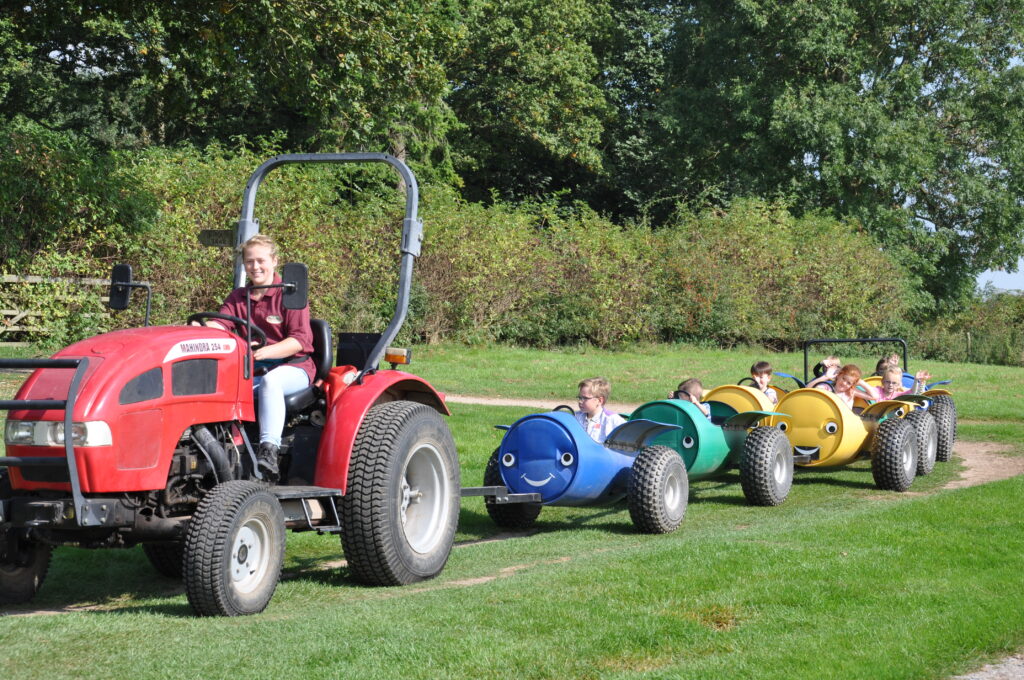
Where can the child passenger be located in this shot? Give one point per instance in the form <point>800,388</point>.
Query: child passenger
<point>892,383</point>
<point>761,372</point>
<point>597,420</point>
<point>692,390</point>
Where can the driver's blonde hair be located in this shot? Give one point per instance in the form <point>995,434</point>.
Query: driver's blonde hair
<point>259,240</point>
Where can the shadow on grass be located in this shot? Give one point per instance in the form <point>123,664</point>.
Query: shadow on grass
<point>835,477</point>
<point>480,527</point>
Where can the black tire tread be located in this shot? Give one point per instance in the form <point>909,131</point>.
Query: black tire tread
<point>887,455</point>
<point>507,515</point>
<point>944,411</point>
<point>166,558</point>
<point>757,474</point>
<point>20,585</point>
<point>366,536</point>
<point>923,422</point>
<point>644,492</point>
<point>207,539</point>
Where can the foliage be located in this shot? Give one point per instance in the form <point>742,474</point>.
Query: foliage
<point>778,279</point>
<point>893,113</point>
<point>525,93</point>
<point>541,274</point>
<point>989,331</point>
<point>328,73</point>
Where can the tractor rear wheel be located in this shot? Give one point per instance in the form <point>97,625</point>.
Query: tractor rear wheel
<point>766,466</point>
<point>926,434</point>
<point>894,455</point>
<point>166,558</point>
<point>658,490</point>
<point>507,515</point>
<point>401,507</point>
<point>944,412</point>
<point>234,549</point>
<point>23,566</point>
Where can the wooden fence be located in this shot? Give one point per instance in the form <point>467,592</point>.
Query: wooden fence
<point>32,321</point>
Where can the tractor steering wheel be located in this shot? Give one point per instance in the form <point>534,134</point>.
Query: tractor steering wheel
<point>563,407</point>
<point>258,336</point>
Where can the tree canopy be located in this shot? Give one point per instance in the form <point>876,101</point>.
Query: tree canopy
<point>901,116</point>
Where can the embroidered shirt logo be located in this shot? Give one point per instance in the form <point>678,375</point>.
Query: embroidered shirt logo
<point>273,318</point>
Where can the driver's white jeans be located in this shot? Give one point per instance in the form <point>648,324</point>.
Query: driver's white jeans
<point>271,389</point>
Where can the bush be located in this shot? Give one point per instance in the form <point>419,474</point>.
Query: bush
<point>537,274</point>
<point>990,331</point>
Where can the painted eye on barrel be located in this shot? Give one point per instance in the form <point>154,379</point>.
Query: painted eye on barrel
<point>566,459</point>
<point>508,460</point>
<point>783,426</point>
<point>688,442</point>
<point>831,427</point>
<point>899,413</point>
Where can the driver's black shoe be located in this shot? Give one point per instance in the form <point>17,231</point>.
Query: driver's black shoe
<point>266,460</point>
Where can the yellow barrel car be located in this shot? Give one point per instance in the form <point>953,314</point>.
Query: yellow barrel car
<point>825,432</point>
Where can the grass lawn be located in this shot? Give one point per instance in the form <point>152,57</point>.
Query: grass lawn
<point>841,581</point>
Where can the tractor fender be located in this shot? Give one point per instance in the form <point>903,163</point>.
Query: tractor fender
<point>347,411</point>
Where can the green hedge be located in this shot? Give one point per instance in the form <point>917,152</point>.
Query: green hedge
<point>538,274</point>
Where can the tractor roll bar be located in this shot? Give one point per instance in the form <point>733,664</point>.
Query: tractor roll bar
<point>825,341</point>
<point>412,229</point>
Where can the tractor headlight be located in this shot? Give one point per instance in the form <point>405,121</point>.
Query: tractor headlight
<point>51,433</point>
<point>19,432</point>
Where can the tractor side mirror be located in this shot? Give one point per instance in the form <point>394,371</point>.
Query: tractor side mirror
<point>295,277</point>
<point>120,286</point>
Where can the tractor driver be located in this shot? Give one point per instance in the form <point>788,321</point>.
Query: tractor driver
<point>286,358</point>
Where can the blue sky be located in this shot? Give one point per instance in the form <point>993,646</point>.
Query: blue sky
<point>1005,280</point>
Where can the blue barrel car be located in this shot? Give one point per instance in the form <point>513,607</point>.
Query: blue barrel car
<point>550,454</point>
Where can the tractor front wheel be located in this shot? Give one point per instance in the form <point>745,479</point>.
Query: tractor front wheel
<point>766,466</point>
<point>894,455</point>
<point>401,507</point>
<point>507,515</point>
<point>234,549</point>
<point>23,566</point>
<point>658,490</point>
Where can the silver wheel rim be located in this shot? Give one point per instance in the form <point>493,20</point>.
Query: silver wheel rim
<point>781,469</point>
<point>673,492</point>
<point>908,456</point>
<point>250,555</point>
<point>423,503</point>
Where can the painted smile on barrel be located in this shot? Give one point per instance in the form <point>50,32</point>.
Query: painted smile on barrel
<point>540,483</point>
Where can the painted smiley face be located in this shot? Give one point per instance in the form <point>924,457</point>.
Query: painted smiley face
<point>814,425</point>
<point>539,455</point>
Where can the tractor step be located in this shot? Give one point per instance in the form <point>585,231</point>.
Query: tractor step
<point>309,508</point>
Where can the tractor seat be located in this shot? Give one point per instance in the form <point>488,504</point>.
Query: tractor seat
<point>323,361</point>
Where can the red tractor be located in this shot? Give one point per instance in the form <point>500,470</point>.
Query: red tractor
<point>145,437</point>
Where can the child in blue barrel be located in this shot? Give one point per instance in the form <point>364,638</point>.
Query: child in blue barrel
<point>597,420</point>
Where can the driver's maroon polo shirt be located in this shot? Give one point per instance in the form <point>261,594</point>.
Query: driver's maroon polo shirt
<point>269,314</point>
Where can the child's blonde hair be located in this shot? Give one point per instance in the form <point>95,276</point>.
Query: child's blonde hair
<point>893,370</point>
<point>599,387</point>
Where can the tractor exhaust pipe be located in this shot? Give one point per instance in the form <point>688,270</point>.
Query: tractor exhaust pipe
<point>213,449</point>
